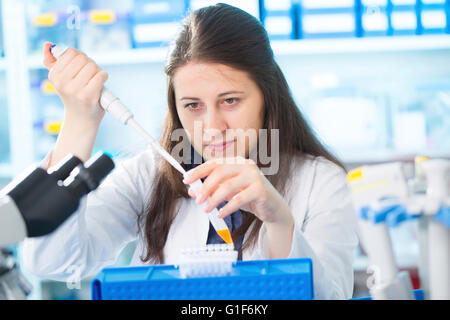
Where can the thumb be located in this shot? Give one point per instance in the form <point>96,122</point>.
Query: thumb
<point>49,59</point>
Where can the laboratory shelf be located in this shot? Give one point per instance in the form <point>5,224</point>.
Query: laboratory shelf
<point>367,44</point>
<point>280,48</point>
<point>387,155</point>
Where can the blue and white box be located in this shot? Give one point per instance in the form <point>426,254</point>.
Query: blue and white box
<point>250,6</point>
<point>328,18</point>
<point>279,18</point>
<point>374,18</point>
<point>156,22</point>
<point>433,16</point>
<point>404,17</point>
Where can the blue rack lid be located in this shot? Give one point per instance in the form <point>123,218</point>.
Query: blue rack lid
<point>249,280</point>
<point>393,215</point>
<point>443,216</point>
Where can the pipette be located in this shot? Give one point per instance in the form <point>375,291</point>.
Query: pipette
<point>115,107</point>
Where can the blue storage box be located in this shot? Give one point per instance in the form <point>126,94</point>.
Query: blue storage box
<point>328,18</point>
<point>404,17</point>
<point>418,295</point>
<point>374,17</point>
<point>250,6</point>
<point>249,280</point>
<point>433,16</point>
<point>156,22</point>
<point>279,18</point>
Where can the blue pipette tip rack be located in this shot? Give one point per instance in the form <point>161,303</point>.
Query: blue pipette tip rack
<point>285,279</point>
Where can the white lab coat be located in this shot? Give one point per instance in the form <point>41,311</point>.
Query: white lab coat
<point>106,221</point>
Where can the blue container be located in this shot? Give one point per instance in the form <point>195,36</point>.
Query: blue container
<point>290,279</point>
<point>418,295</point>
<point>155,22</point>
<point>334,19</point>
<point>404,17</point>
<point>433,16</point>
<point>280,18</point>
<point>373,17</point>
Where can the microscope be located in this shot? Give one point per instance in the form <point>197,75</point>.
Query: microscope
<point>36,203</point>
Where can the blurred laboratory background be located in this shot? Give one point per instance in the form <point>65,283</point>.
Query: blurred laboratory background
<point>371,76</point>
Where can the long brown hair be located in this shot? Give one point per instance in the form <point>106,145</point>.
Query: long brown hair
<point>227,35</point>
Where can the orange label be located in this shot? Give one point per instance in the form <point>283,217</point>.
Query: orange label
<point>225,235</point>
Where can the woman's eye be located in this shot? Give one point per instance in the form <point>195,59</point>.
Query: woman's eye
<point>231,101</point>
<point>192,106</point>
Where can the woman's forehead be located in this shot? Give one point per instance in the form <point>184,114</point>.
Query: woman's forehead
<point>201,76</point>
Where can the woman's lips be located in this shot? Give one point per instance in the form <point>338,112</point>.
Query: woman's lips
<point>220,146</point>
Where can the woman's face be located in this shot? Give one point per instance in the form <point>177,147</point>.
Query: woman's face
<point>220,108</point>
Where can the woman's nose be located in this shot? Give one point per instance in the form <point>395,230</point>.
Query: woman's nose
<point>214,120</point>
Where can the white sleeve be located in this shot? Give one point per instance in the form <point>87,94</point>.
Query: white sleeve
<point>105,222</point>
<point>327,235</point>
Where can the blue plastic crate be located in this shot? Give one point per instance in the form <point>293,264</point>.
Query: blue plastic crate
<point>279,18</point>
<point>335,19</point>
<point>418,295</point>
<point>155,22</point>
<point>289,279</point>
<point>433,16</point>
<point>373,18</point>
<point>404,18</point>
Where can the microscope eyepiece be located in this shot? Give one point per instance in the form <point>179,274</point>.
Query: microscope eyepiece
<point>85,178</point>
<point>62,170</point>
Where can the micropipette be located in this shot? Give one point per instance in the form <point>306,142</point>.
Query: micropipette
<point>114,106</point>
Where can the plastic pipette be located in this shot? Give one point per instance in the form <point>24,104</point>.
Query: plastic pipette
<point>114,106</point>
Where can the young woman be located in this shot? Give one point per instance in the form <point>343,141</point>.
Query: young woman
<point>222,77</point>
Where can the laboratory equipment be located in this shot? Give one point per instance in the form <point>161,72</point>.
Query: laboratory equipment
<point>207,260</point>
<point>369,185</point>
<point>436,213</point>
<point>36,203</point>
<point>117,109</point>
<point>248,280</point>
<point>384,198</point>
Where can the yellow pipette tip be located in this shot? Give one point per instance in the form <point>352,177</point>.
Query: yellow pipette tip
<point>225,235</point>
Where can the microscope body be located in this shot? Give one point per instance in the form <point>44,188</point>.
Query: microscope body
<point>36,203</point>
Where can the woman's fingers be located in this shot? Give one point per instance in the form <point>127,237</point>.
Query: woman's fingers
<point>95,85</point>
<point>64,60</point>
<point>191,193</point>
<point>225,190</point>
<point>238,201</point>
<point>211,183</point>
<point>49,59</point>
<point>74,67</point>
<point>200,172</point>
